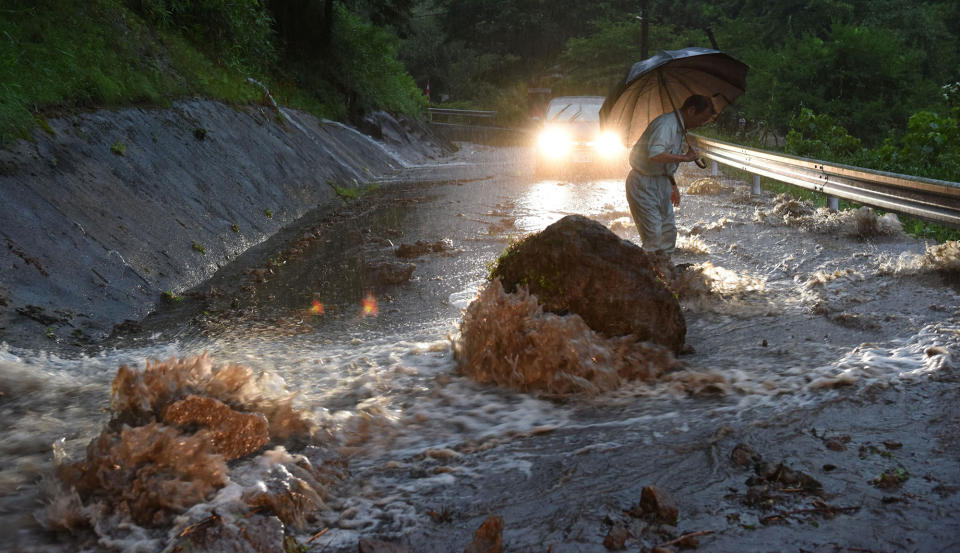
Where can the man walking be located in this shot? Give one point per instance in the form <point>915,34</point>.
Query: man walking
<point>651,190</point>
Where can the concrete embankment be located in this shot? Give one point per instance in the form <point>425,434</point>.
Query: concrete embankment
<point>105,213</point>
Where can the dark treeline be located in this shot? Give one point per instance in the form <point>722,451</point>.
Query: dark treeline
<point>873,81</point>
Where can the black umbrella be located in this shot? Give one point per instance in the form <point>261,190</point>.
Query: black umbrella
<point>660,84</point>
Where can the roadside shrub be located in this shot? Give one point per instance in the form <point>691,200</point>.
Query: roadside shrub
<point>819,137</point>
<point>930,147</point>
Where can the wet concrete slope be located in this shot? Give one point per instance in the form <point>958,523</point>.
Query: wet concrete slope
<point>104,213</point>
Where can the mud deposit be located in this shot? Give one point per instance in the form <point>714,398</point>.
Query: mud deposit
<point>816,412</point>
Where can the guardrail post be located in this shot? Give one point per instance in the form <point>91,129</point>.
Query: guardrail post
<point>756,185</point>
<point>833,203</point>
<point>714,169</point>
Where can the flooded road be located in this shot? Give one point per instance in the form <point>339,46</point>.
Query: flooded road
<point>818,410</point>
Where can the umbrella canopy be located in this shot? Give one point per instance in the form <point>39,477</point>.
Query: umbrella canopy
<point>660,84</point>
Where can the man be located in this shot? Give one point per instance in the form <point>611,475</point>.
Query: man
<point>651,190</point>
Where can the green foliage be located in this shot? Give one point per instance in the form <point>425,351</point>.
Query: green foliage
<point>106,56</point>
<point>236,32</point>
<point>819,137</point>
<point>366,64</point>
<point>594,63</point>
<point>865,77</point>
<point>119,148</point>
<point>198,248</point>
<point>930,147</point>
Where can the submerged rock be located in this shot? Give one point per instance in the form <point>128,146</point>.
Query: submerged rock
<point>656,501</point>
<point>389,273</point>
<point>577,265</point>
<point>488,538</point>
<point>421,248</point>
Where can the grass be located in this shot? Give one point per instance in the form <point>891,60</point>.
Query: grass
<point>106,57</point>
<point>353,192</point>
<point>911,225</point>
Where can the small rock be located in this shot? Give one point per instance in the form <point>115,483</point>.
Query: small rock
<point>835,445</point>
<point>488,538</point>
<point>616,538</point>
<point>658,501</point>
<point>421,248</point>
<point>742,455</point>
<point>391,273</point>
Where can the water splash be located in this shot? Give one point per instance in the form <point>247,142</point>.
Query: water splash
<point>938,258</point>
<point>161,460</point>
<point>861,223</point>
<point>508,340</point>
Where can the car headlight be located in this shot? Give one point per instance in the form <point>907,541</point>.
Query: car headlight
<point>554,143</point>
<point>608,144</point>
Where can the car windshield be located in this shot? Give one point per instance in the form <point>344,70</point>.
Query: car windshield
<point>577,110</point>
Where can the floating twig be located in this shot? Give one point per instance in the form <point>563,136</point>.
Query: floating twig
<point>318,534</point>
<point>196,525</point>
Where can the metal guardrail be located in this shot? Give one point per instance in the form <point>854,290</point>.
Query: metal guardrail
<point>930,199</point>
<point>465,113</point>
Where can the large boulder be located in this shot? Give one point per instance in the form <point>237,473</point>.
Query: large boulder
<point>577,265</point>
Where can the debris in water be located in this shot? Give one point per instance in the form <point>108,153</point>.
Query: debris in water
<point>861,223</point>
<point>892,478</point>
<point>389,273</point>
<point>707,185</point>
<point>693,245</point>
<point>622,224</point>
<point>421,248</point>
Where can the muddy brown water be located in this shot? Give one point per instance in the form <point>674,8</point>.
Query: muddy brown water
<point>817,352</point>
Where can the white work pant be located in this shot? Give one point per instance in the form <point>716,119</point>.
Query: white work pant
<point>649,199</point>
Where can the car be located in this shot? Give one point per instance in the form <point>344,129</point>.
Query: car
<point>571,141</point>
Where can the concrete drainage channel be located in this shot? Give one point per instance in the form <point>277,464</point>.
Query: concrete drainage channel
<point>106,213</point>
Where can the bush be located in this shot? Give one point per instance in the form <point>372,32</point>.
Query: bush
<point>820,137</point>
<point>930,147</point>
<point>365,65</point>
<point>237,31</point>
